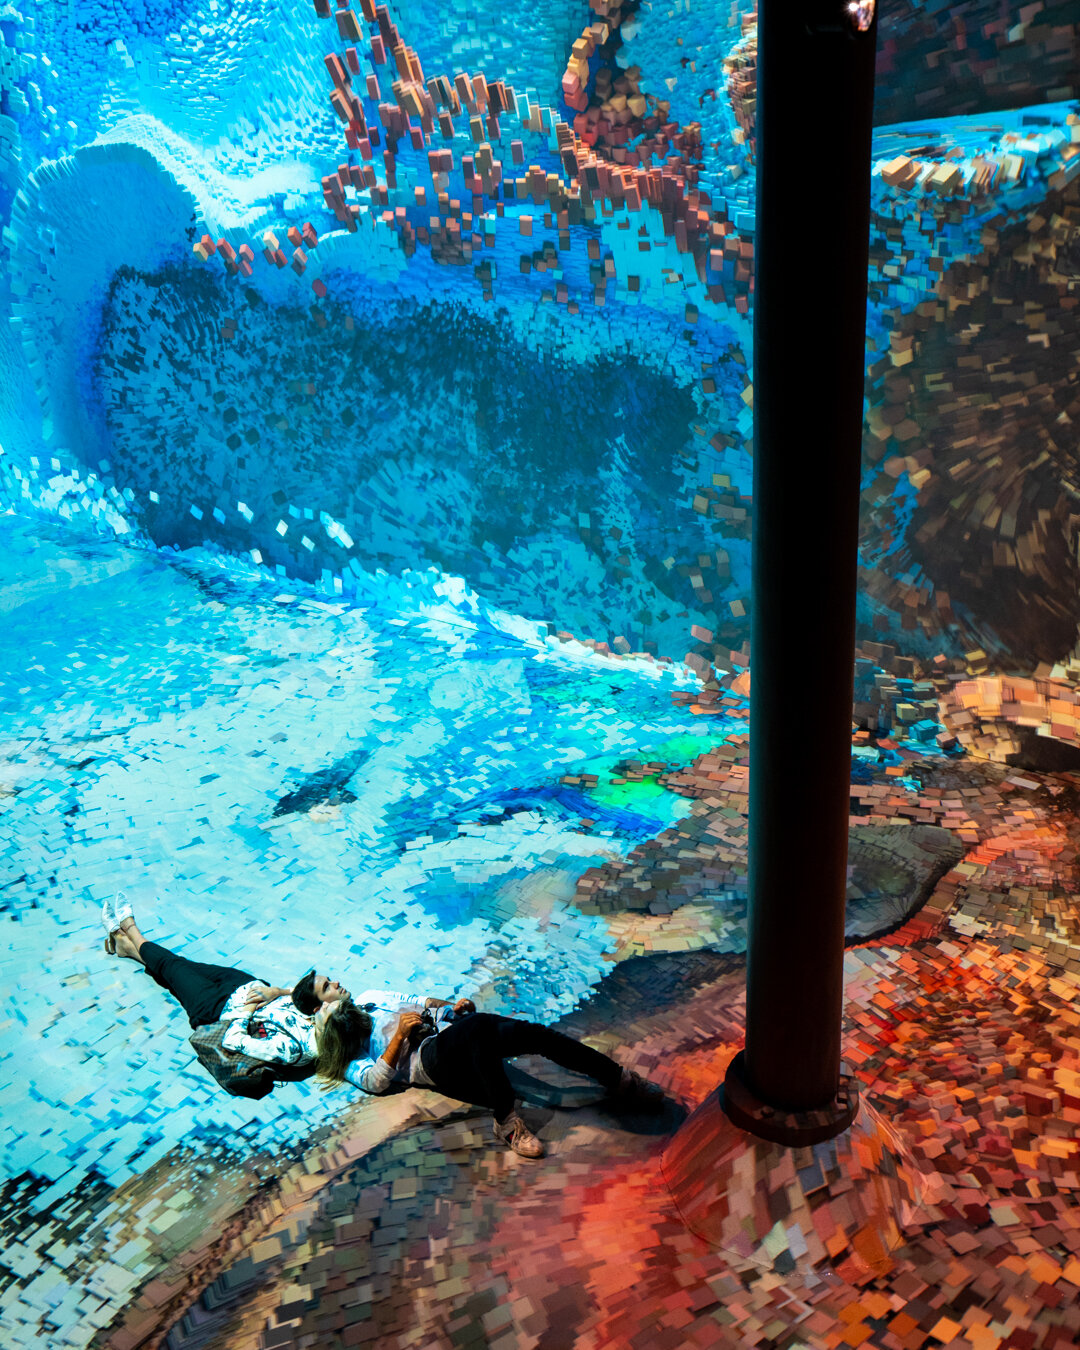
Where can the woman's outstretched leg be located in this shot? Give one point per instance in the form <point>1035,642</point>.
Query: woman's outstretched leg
<point>465,1062</point>
<point>202,990</point>
<point>625,1088</point>
<point>531,1038</point>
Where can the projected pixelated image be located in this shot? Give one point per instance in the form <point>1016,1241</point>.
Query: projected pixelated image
<point>376,417</point>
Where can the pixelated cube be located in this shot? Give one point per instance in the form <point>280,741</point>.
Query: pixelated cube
<point>336,70</point>
<point>900,172</point>
<point>348,26</point>
<point>340,105</point>
<point>945,179</point>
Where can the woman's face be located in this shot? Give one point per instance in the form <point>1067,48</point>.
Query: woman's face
<point>342,999</point>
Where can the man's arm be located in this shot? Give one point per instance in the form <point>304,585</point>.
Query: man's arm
<point>261,995</point>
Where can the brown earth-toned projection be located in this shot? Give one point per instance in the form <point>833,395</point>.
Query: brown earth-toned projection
<point>985,418</point>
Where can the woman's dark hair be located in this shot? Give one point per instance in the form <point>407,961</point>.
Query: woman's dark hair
<point>304,996</point>
<point>343,1037</point>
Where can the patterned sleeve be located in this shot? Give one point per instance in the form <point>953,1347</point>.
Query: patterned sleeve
<point>277,1048</point>
<point>234,1004</point>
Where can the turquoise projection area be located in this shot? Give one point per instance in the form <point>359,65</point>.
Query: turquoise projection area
<point>376,471</point>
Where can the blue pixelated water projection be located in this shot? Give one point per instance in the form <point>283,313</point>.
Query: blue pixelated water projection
<point>375,447</point>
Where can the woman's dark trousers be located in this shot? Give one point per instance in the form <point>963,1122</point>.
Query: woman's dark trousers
<point>466,1060</point>
<point>201,990</point>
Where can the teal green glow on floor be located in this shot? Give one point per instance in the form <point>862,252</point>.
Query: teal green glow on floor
<point>648,795</point>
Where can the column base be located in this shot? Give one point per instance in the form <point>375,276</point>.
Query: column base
<point>794,1128</point>
<point>842,1205</point>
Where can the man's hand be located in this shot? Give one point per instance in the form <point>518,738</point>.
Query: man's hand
<point>261,995</point>
<point>464,1005</point>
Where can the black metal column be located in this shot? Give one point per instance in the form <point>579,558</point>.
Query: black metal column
<point>814,105</point>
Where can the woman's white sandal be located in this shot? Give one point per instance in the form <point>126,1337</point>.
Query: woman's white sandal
<point>108,922</point>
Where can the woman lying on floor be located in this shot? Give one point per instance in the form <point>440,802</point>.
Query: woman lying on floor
<point>384,1038</point>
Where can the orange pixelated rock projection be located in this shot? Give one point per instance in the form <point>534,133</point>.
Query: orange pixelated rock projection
<point>970,1056</point>
<point>1016,720</point>
<point>612,108</point>
<point>973,403</point>
<point>600,172</point>
<point>740,70</point>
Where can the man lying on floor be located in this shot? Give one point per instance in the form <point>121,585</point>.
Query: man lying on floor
<point>265,1022</point>
<point>385,1037</point>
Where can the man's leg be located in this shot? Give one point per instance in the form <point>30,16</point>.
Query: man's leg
<point>200,989</point>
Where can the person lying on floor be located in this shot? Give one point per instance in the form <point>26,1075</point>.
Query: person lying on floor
<point>267,1022</point>
<point>384,1037</point>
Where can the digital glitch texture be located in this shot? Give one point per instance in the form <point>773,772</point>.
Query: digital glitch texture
<point>376,465</point>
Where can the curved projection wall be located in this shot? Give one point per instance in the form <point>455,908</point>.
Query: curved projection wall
<point>375,473</point>
<point>500,327</point>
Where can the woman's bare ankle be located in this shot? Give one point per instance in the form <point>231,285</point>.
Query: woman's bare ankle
<point>133,933</point>
<point>128,948</point>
